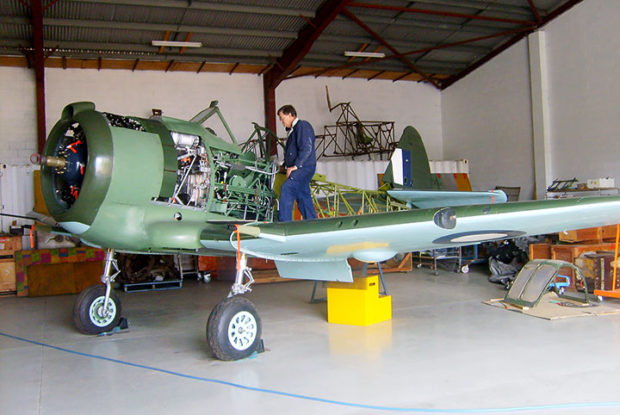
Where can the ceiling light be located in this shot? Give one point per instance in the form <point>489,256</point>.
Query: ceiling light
<point>364,54</point>
<point>175,44</point>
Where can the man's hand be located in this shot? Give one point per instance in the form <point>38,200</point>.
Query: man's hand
<point>289,170</point>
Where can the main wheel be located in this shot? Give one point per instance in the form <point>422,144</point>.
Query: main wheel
<point>233,329</point>
<point>88,313</point>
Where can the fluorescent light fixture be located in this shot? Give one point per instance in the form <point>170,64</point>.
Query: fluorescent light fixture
<point>175,44</point>
<point>364,54</point>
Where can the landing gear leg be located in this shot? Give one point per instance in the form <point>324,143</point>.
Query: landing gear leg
<point>234,326</point>
<point>97,309</point>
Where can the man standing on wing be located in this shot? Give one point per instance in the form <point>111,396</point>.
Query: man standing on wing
<point>300,164</point>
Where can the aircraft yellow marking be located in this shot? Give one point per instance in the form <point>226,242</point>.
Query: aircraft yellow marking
<point>338,249</point>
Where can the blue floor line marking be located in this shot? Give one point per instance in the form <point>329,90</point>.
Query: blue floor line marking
<point>323,400</point>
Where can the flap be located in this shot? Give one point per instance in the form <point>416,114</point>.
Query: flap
<point>321,271</point>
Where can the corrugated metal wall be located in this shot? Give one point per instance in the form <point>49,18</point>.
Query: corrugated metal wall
<point>16,193</point>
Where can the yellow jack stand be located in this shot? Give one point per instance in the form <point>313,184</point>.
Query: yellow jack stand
<point>357,303</point>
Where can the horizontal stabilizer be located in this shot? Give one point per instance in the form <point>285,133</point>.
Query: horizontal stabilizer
<point>322,271</point>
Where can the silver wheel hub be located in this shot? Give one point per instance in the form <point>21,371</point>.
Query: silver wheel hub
<point>242,330</point>
<point>99,316</point>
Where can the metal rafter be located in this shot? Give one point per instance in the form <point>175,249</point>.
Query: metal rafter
<point>509,43</point>
<point>534,11</point>
<point>218,7</point>
<point>441,13</point>
<point>421,26</point>
<point>36,10</point>
<point>397,54</point>
<point>416,51</point>
<point>481,4</point>
<point>154,27</point>
<point>159,27</point>
<point>294,53</point>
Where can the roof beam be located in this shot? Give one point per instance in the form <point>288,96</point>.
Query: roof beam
<point>486,5</point>
<point>402,58</point>
<point>430,24</point>
<point>294,53</point>
<point>158,27</point>
<point>441,13</point>
<point>534,11</point>
<point>566,6</point>
<point>154,27</point>
<point>218,7</point>
<point>133,49</point>
<point>36,10</point>
<point>350,64</point>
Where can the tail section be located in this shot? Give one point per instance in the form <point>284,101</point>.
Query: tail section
<point>409,165</point>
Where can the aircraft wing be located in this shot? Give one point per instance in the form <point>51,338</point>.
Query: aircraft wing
<point>318,249</point>
<point>424,199</point>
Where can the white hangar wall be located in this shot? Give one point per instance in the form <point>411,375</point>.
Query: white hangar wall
<point>184,94</point>
<point>584,74</point>
<point>487,120</point>
<point>177,94</point>
<point>405,103</point>
<point>487,116</point>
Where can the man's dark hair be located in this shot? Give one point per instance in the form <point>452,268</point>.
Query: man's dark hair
<point>287,110</point>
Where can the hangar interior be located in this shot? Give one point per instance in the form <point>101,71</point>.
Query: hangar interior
<point>522,90</point>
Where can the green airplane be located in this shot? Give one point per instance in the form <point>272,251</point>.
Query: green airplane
<point>168,186</point>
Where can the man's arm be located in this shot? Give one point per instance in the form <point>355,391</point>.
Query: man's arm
<point>305,143</point>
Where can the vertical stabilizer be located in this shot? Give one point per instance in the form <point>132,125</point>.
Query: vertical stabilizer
<point>409,165</point>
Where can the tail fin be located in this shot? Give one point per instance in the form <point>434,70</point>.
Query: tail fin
<point>409,165</point>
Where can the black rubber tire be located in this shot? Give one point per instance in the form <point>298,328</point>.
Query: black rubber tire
<point>82,308</point>
<point>220,321</point>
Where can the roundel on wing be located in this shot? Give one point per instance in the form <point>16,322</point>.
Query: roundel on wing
<point>477,236</point>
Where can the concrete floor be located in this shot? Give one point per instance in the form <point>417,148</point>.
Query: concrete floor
<point>443,351</point>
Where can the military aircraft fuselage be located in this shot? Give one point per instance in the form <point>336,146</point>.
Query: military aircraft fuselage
<point>149,185</point>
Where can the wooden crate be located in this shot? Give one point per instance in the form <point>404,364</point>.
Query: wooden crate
<point>598,269</point>
<point>7,277</point>
<point>9,244</point>
<point>598,234</point>
<point>609,232</point>
<point>570,252</point>
<point>540,251</point>
<point>263,270</point>
<point>207,263</point>
<point>64,278</point>
<point>57,271</point>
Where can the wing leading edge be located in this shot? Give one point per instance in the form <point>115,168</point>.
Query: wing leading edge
<point>318,249</point>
